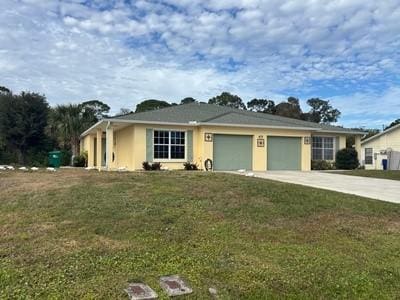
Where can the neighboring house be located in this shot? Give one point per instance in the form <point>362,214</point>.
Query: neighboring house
<point>233,139</point>
<point>375,148</point>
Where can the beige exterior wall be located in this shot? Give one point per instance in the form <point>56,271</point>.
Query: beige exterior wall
<point>381,143</point>
<point>342,142</point>
<point>140,146</point>
<point>88,145</point>
<point>129,145</point>
<point>205,149</point>
<point>124,149</point>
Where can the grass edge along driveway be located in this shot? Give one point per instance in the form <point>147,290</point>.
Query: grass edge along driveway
<point>381,174</point>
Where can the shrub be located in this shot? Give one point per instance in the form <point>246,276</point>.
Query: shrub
<point>156,166</point>
<point>146,166</point>
<point>79,161</point>
<point>190,166</point>
<point>346,159</point>
<point>151,167</point>
<point>321,165</point>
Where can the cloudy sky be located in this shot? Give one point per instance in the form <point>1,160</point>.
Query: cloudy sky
<point>121,52</point>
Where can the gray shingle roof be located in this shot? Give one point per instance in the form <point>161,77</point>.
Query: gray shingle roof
<point>213,114</point>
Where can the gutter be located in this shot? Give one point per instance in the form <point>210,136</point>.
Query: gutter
<point>344,132</point>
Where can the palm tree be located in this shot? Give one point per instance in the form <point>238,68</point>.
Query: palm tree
<point>67,124</point>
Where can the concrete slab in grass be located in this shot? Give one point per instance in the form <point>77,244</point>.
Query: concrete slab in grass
<point>174,286</point>
<point>140,291</point>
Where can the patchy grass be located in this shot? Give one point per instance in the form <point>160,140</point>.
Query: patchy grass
<point>84,235</point>
<point>393,175</point>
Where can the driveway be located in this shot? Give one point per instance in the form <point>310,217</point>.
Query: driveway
<point>381,189</point>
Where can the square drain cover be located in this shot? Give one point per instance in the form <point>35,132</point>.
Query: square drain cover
<point>140,291</point>
<point>174,286</point>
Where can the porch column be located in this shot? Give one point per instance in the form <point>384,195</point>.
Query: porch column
<point>90,151</point>
<point>357,146</point>
<point>99,136</point>
<point>109,145</point>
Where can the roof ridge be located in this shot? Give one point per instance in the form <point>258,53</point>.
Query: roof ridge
<point>218,116</point>
<point>153,110</point>
<point>261,115</point>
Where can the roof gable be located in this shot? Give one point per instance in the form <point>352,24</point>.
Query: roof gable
<point>391,129</point>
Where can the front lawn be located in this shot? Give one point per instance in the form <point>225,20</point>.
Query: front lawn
<point>76,234</point>
<point>394,175</point>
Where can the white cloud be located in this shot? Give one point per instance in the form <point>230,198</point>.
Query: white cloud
<point>124,52</point>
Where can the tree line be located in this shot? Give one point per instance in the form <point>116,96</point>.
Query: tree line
<point>29,127</point>
<point>321,111</point>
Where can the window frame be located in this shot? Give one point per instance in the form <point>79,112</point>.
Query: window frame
<point>372,156</point>
<point>323,148</point>
<point>169,145</point>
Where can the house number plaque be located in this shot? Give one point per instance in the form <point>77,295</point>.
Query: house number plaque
<point>260,142</point>
<point>208,137</point>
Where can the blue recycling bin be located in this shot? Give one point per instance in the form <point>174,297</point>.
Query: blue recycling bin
<point>384,164</point>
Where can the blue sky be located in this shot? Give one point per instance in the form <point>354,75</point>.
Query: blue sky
<point>122,52</point>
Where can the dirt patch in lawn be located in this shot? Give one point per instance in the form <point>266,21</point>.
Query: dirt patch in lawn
<point>40,181</point>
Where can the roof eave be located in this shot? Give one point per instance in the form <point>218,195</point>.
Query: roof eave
<point>343,132</point>
<point>192,124</point>
<point>86,132</point>
<point>380,134</point>
<point>258,126</point>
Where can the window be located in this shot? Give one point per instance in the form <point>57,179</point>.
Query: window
<point>369,154</point>
<point>323,148</point>
<point>169,144</point>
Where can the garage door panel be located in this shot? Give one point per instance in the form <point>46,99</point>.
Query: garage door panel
<point>232,152</point>
<point>284,153</point>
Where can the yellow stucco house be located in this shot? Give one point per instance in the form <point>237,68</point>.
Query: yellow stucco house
<point>231,138</point>
<point>376,148</point>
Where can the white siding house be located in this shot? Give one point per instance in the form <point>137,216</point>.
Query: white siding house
<point>374,149</point>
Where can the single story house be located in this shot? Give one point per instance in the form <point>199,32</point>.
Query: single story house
<point>376,148</point>
<point>231,138</point>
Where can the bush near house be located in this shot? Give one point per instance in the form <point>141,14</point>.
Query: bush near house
<point>80,160</point>
<point>151,166</point>
<point>346,159</point>
<point>190,166</point>
<point>322,165</point>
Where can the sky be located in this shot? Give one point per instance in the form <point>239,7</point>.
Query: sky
<point>122,52</point>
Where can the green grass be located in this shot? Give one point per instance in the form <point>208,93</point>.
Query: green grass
<point>85,235</point>
<point>393,175</point>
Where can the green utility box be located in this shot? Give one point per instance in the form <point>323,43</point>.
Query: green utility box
<point>55,159</point>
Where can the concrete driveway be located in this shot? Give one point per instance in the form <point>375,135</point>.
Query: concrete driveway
<point>381,189</point>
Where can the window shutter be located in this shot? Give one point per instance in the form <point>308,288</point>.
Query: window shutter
<point>149,144</point>
<point>189,150</point>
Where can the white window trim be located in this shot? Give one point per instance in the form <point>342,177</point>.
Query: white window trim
<point>169,159</point>
<point>372,156</point>
<point>323,153</point>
